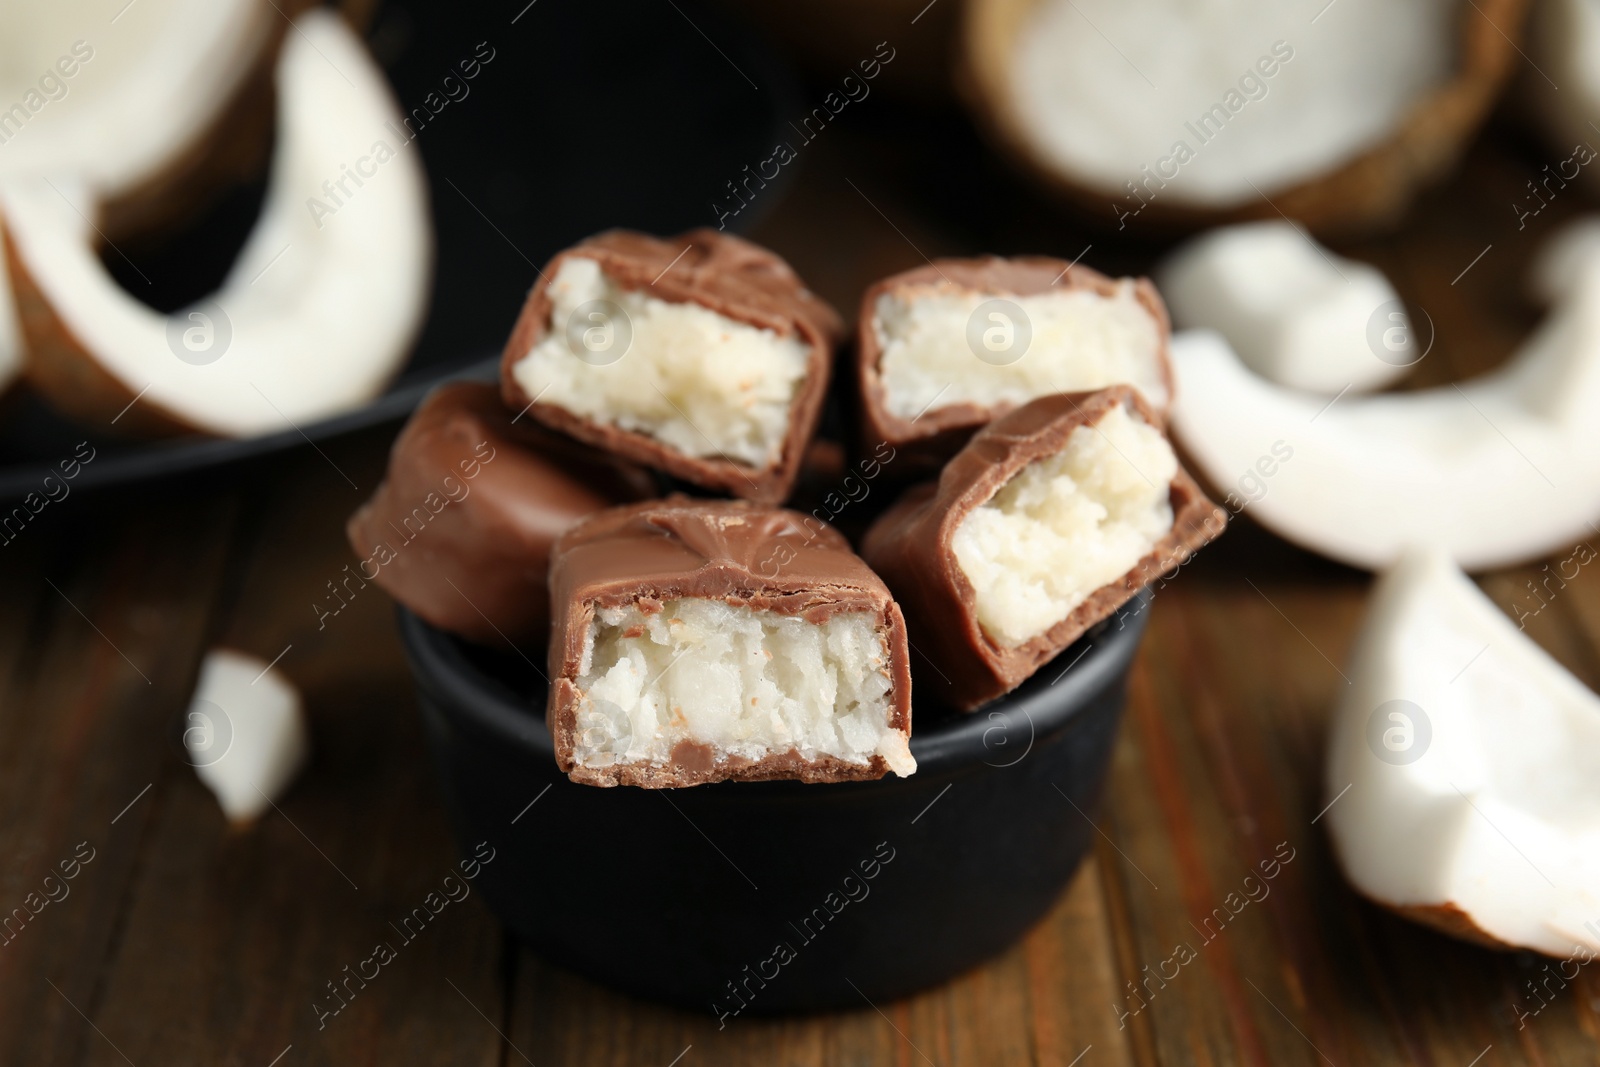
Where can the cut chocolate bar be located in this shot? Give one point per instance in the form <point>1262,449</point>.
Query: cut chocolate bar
<point>944,349</point>
<point>1049,520</point>
<point>703,356</point>
<point>461,528</point>
<point>698,641</point>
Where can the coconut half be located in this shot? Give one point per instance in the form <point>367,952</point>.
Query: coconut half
<point>244,733</point>
<point>1493,471</point>
<point>1183,113</point>
<point>1464,769</point>
<point>1296,313</point>
<point>316,315</point>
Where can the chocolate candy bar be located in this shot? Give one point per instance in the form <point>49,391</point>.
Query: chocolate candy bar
<point>946,348</point>
<point>698,641</point>
<point>703,356</point>
<point>460,530</point>
<point>1049,520</point>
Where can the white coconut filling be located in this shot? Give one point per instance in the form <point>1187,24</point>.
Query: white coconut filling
<point>1065,525</point>
<point>745,682</point>
<point>696,381</point>
<point>938,346</point>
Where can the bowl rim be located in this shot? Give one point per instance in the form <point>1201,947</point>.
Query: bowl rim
<point>1046,702</point>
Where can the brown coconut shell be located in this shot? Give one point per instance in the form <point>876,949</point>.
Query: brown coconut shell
<point>1364,195</point>
<point>1449,918</point>
<point>59,367</point>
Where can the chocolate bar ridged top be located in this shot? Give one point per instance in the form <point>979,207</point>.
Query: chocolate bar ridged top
<point>729,550</point>
<point>726,274</point>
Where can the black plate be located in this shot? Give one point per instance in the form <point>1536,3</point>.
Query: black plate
<point>590,114</point>
<point>877,888</point>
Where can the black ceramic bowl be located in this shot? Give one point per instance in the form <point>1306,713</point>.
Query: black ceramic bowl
<point>745,898</point>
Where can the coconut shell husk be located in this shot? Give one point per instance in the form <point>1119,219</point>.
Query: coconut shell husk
<point>1449,918</point>
<point>60,369</point>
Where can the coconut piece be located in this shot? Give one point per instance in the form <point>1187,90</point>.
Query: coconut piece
<point>1339,121</point>
<point>1296,313</point>
<point>244,732</point>
<point>943,349</point>
<point>317,313</point>
<point>702,355</point>
<point>1494,471</point>
<point>1051,518</point>
<point>1464,768</point>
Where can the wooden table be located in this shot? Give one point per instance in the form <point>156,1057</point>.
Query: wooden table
<point>183,942</point>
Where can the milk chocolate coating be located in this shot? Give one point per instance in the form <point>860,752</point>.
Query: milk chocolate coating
<point>940,432</point>
<point>910,546</point>
<point>728,275</point>
<point>460,531</point>
<point>763,558</point>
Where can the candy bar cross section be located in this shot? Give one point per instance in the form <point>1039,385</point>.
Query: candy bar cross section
<point>700,641</point>
<point>703,356</point>
<point>1050,519</point>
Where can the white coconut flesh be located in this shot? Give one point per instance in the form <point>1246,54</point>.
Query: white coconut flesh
<point>319,310</point>
<point>1486,799</point>
<point>1065,525</point>
<point>1562,260</point>
<point>244,732</point>
<point>941,345</point>
<point>1494,471</point>
<point>1295,313</point>
<point>1104,88</point>
<point>697,381</point>
<point>745,682</point>
<point>113,92</point>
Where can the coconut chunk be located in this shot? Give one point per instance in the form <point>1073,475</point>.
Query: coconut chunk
<point>1067,524</point>
<point>1296,313</point>
<point>1495,470</point>
<point>1464,768</point>
<point>244,732</point>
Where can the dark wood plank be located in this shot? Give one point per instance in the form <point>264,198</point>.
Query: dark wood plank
<point>251,926</point>
<point>118,610</point>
